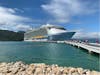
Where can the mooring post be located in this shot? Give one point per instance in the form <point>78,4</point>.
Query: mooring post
<point>78,46</point>
<point>89,51</point>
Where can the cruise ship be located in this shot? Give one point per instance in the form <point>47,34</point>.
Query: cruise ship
<point>48,32</point>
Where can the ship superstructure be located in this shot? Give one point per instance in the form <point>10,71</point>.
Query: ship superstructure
<point>49,32</point>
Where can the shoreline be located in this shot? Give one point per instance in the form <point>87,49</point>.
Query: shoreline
<point>20,68</point>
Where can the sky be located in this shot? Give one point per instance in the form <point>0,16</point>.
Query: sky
<point>81,16</point>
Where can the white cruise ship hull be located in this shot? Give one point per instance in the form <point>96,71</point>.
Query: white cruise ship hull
<point>49,32</point>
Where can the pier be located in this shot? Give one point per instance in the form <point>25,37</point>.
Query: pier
<point>91,47</point>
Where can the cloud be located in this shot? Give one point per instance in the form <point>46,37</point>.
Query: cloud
<point>16,27</point>
<point>63,10</point>
<point>10,21</point>
<point>81,34</point>
<point>23,27</point>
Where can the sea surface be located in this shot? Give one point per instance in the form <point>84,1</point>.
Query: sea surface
<point>49,53</point>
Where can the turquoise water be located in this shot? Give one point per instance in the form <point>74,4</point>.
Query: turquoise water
<point>49,53</point>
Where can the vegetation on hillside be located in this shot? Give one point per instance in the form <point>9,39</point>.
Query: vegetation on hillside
<point>6,35</point>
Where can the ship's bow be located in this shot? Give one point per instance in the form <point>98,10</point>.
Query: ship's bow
<point>61,36</point>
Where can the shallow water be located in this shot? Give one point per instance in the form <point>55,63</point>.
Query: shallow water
<point>49,53</point>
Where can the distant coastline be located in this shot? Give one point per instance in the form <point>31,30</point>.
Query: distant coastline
<point>6,35</point>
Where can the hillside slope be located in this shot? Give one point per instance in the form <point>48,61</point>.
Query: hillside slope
<point>6,35</point>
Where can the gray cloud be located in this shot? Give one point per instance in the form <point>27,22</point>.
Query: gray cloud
<point>10,21</point>
<point>63,10</point>
<point>81,34</point>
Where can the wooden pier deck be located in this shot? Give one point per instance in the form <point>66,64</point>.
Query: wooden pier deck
<point>87,46</point>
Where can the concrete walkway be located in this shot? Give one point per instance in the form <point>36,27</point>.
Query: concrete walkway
<point>88,46</point>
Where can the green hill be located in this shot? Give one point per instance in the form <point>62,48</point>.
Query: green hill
<point>6,35</point>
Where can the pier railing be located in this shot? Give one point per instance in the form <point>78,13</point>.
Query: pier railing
<point>86,46</point>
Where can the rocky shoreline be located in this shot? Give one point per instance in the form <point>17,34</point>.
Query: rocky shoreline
<point>20,68</point>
